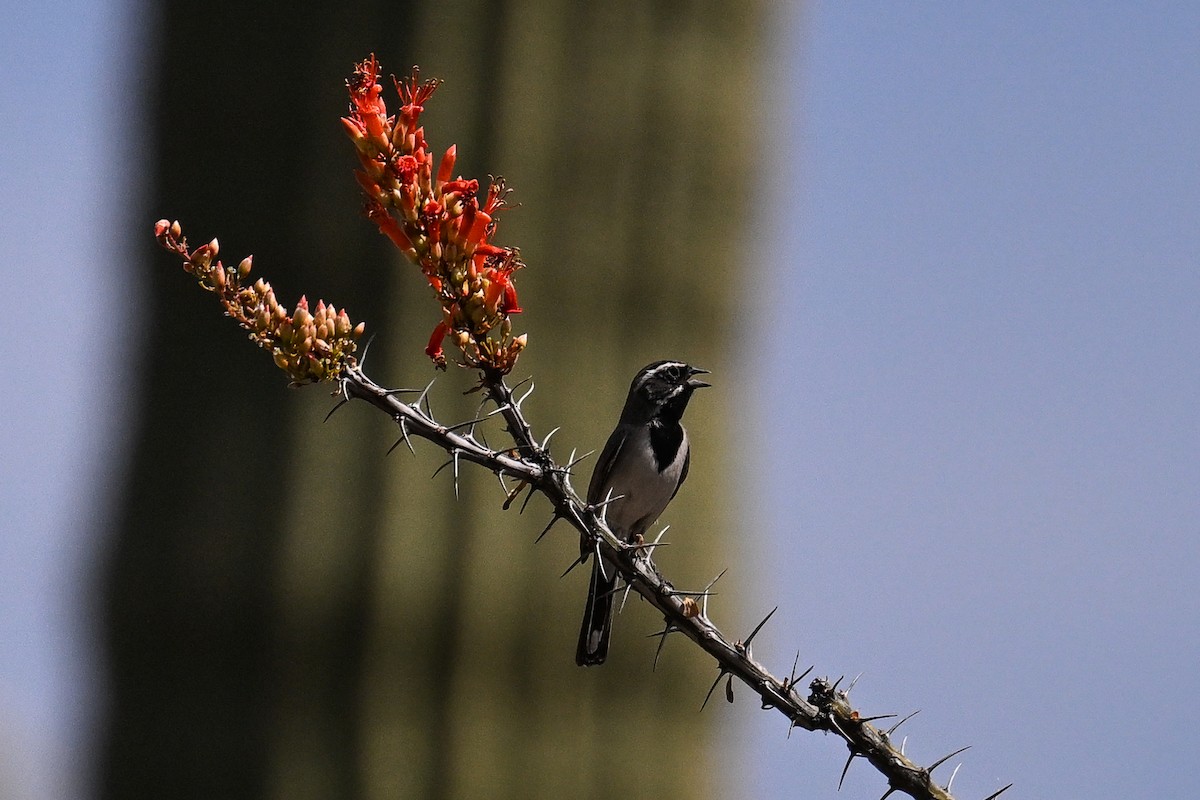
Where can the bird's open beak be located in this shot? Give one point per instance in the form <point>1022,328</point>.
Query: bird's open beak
<point>692,383</point>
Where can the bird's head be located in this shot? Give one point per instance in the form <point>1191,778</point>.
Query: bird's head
<point>662,389</point>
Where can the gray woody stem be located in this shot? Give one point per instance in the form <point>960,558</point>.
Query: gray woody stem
<point>824,709</point>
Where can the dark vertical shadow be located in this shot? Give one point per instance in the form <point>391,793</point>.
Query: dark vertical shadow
<point>286,612</point>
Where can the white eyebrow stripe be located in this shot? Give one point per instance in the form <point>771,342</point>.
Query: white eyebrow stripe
<point>654,372</point>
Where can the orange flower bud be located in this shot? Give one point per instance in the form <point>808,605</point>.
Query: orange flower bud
<point>446,168</point>
<point>354,130</point>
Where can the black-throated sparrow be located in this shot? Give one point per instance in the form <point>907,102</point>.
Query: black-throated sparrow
<point>643,464</point>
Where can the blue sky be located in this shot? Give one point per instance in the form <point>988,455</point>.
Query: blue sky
<point>979,405</point>
<point>61,188</point>
<point>975,393</point>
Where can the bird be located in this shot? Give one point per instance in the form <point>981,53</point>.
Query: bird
<point>640,470</point>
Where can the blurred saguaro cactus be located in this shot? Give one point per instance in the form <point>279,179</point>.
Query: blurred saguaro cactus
<point>290,614</point>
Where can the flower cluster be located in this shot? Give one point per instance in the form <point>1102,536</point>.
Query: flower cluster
<point>309,346</point>
<point>438,221</point>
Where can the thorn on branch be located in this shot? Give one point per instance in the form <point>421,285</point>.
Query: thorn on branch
<point>624,597</point>
<point>573,460</point>
<point>804,675</point>
<point>792,681</point>
<point>403,438</point>
<point>362,360</point>
<point>845,769</point>
<point>553,520</point>
<point>341,403</point>
<point>611,592</point>
<point>599,560</point>
<point>892,729</point>
<point>744,647</point>
<point>425,399</point>
<point>642,546</point>
<point>454,453</point>
<point>707,591</point>
<point>849,742</point>
<point>395,444</point>
<point>721,673</point>
<point>950,782</point>
<point>582,558</point>
<point>662,640</point>
<point>997,794</point>
<point>525,396</point>
<point>528,497</point>
<point>404,435</point>
<point>946,758</point>
<point>673,592</point>
<point>603,504</point>
<point>468,423</point>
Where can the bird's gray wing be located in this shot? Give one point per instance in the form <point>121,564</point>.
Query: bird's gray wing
<point>687,462</point>
<point>604,464</point>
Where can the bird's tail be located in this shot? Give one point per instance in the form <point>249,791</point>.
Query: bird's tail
<point>597,617</point>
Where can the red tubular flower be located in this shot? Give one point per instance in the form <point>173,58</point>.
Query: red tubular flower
<point>367,106</point>
<point>354,130</point>
<point>369,186</point>
<point>414,93</point>
<point>510,304</point>
<point>495,290</point>
<point>478,228</point>
<point>446,168</point>
<point>406,168</point>
<point>434,348</point>
<point>462,186</point>
<point>389,227</point>
<point>441,223</point>
<point>495,197</point>
<point>463,226</point>
<point>371,111</point>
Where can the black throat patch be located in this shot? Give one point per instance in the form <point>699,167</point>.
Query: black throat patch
<point>665,440</point>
